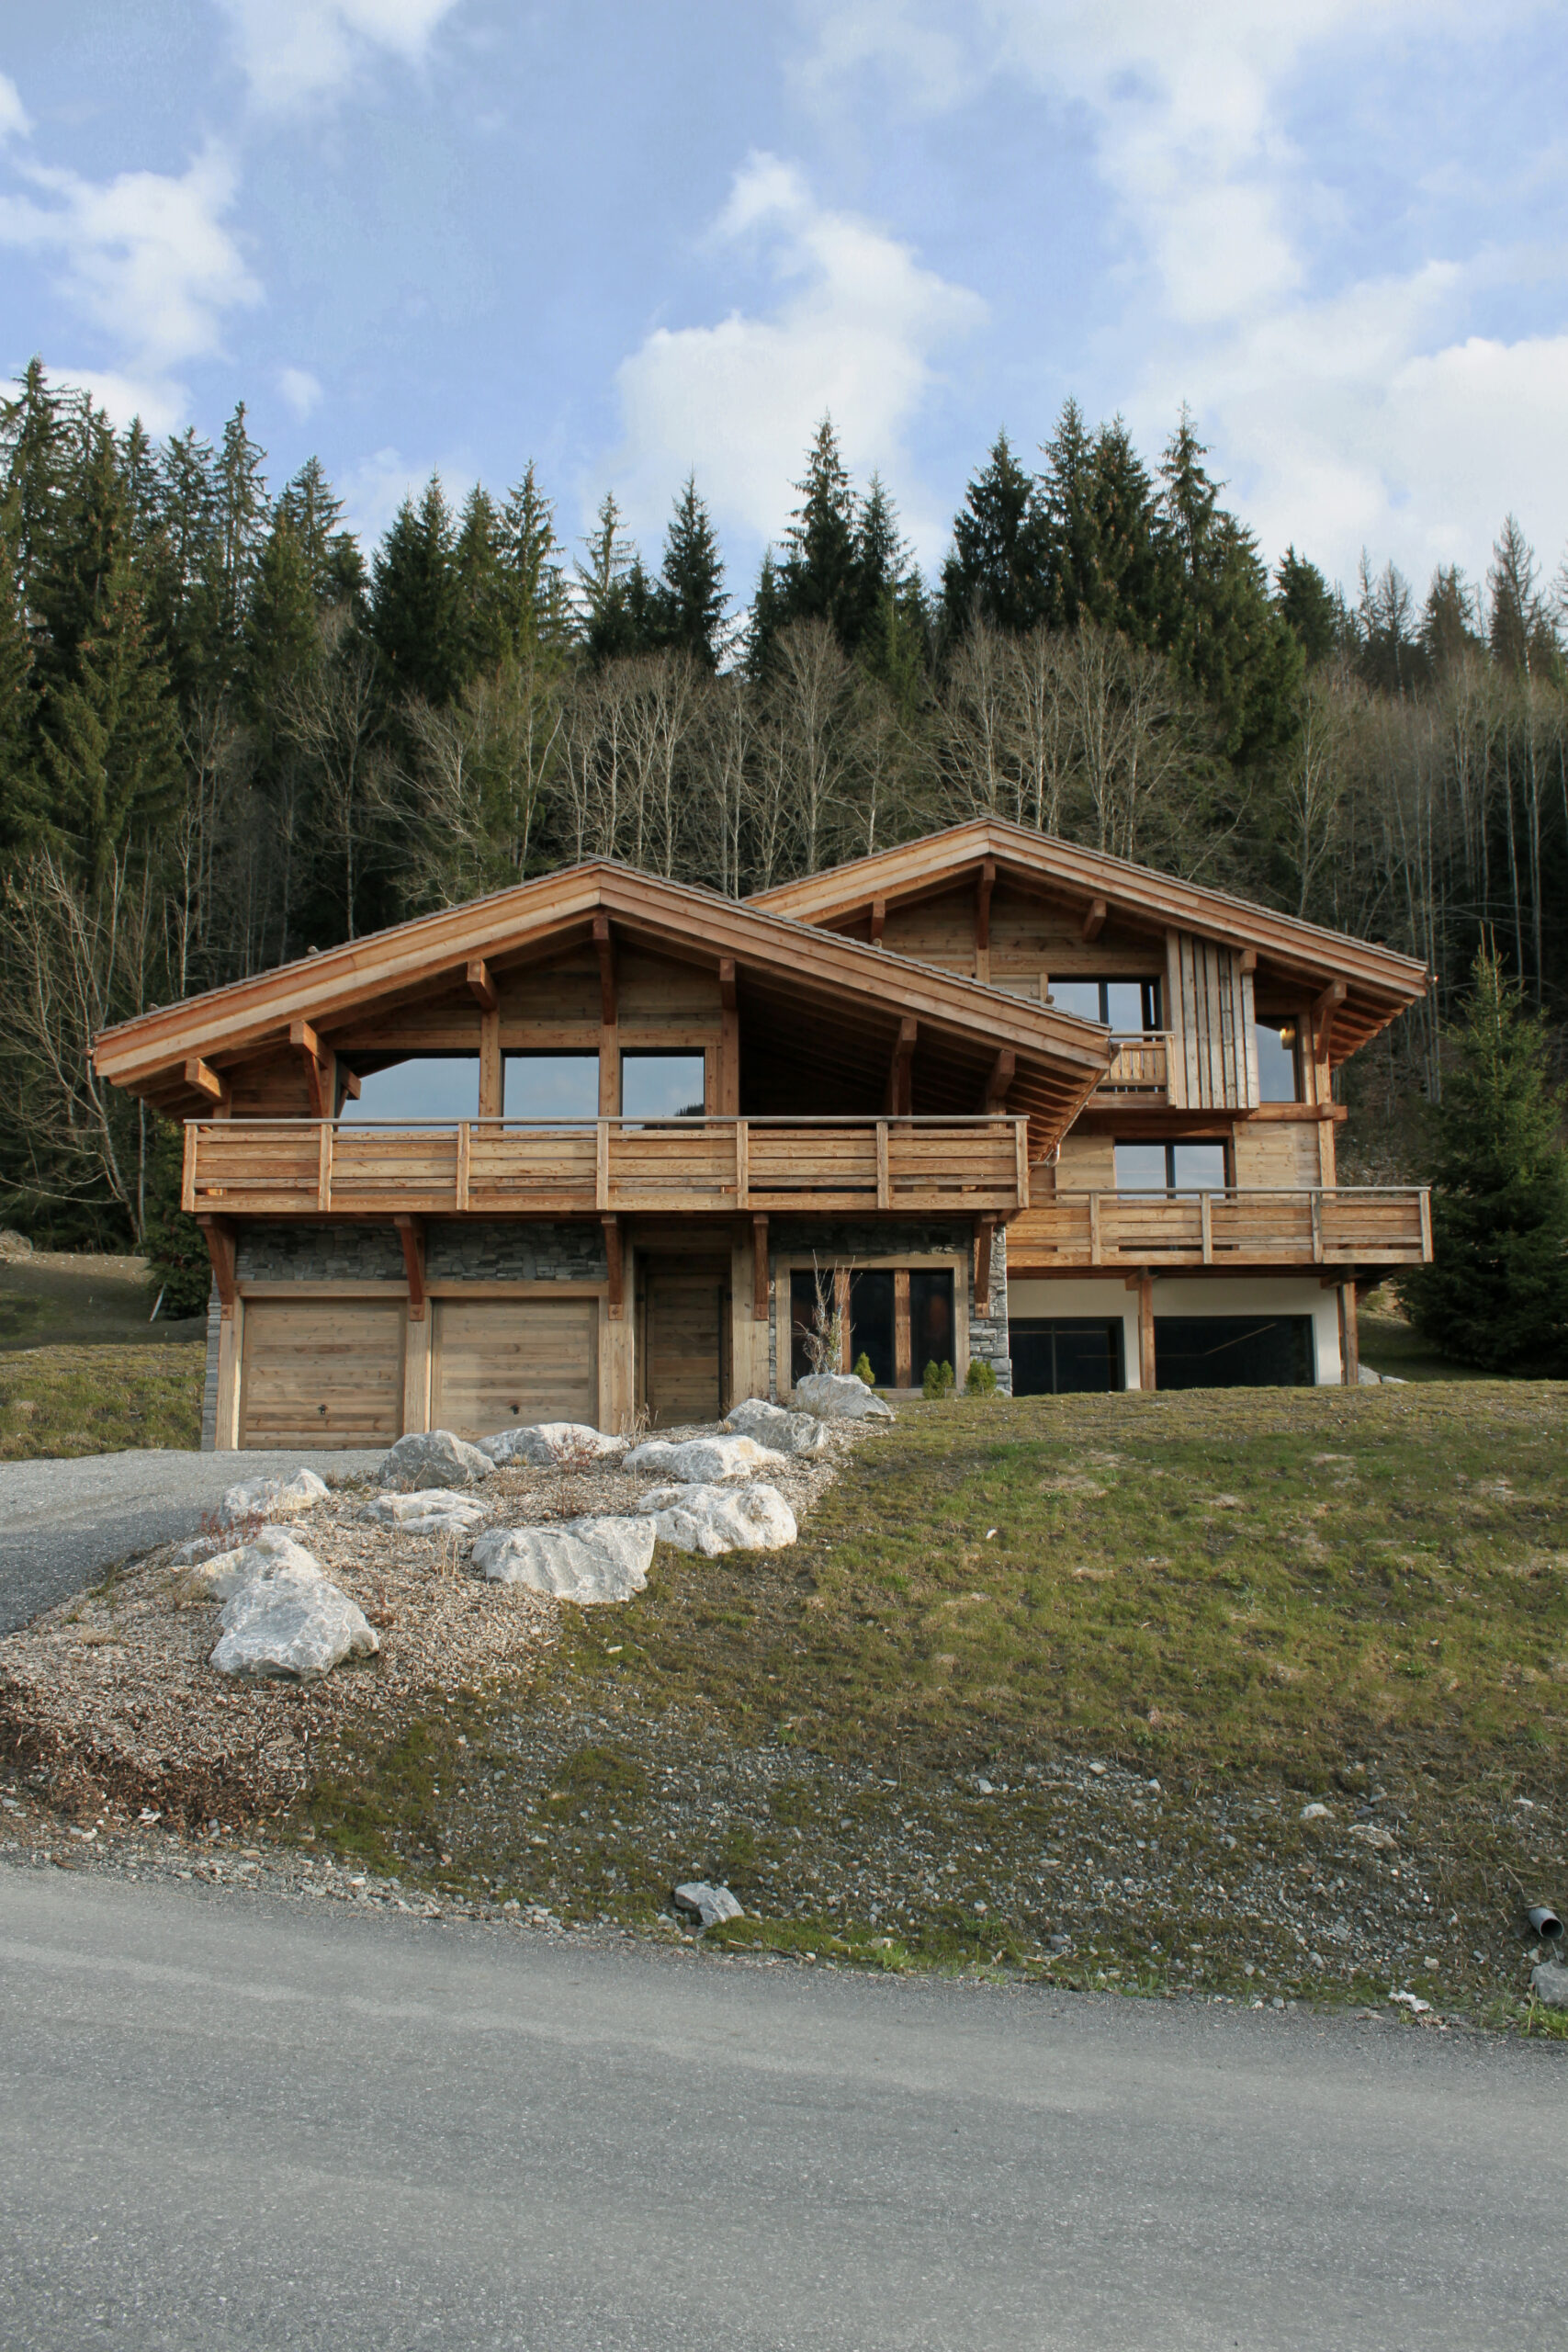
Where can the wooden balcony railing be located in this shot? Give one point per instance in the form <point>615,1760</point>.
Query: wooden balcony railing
<point>1140,1069</point>
<point>535,1168</point>
<point>1349,1225</point>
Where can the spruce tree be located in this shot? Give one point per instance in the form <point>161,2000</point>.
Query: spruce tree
<point>1226,638</point>
<point>415,610</point>
<point>484,599</point>
<point>1449,631</point>
<point>609,627</point>
<point>692,597</point>
<point>1311,610</point>
<point>1496,1292</point>
<point>110,746</point>
<point>1000,567</point>
<point>821,574</point>
<point>21,799</point>
<point>535,588</point>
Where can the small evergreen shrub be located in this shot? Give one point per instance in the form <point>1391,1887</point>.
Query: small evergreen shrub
<point>937,1380</point>
<point>980,1380</point>
<point>863,1371</point>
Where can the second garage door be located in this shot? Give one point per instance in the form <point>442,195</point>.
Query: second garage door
<point>501,1362</point>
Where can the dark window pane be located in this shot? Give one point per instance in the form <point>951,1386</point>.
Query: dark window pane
<point>661,1086</point>
<point>551,1086</point>
<point>870,1323</point>
<point>1141,1168</point>
<point>429,1087</point>
<point>1198,1166</point>
<point>1233,1352</point>
<point>1073,1355</point>
<point>1129,1006</point>
<point>931,1320</point>
<point>1277,1072</point>
<point>1078,996</point>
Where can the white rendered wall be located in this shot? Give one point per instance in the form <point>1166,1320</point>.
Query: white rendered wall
<point>1191,1295</point>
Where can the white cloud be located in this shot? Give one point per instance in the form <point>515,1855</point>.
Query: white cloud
<point>145,257</point>
<point>301,390</point>
<point>14,123</point>
<point>294,52</point>
<point>855,333</point>
<point>374,490</point>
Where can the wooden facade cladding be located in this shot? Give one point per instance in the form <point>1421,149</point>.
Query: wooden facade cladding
<point>1312,1226</point>
<point>607,1167</point>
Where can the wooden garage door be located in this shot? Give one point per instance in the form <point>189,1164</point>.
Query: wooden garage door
<point>322,1372</point>
<point>500,1362</point>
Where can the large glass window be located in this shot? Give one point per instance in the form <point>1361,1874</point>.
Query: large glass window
<point>1233,1352</point>
<point>1126,1007</point>
<point>433,1086</point>
<point>661,1086</point>
<point>551,1086</point>
<point>1279,1063</point>
<point>1065,1355</point>
<point>1171,1166</point>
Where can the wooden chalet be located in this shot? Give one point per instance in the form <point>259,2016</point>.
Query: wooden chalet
<point>597,1144</point>
<point>1189,1230</point>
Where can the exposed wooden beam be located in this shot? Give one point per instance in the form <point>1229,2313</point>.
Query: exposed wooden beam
<point>203,1080</point>
<point>726,982</point>
<point>878,921</point>
<point>219,1236</point>
<point>900,1071</point>
<point>759,1269</point>
<point>615,1266</point>
<point>1003,1071</point>
<point>604,941</point>
<point>1325,1006</point>
<point>304,1040</point>
<point>1094,919</point>
<point>481,986</point>
<point>985,882</point>
<point>348,1084</point>
<point>1248,960</point>
<point>410,1233</point>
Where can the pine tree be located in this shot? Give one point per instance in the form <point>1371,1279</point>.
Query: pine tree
<point>890,628</point>
<point>1225,638</point>
<point>1393,657</point>
<point>110,747</point>
<point>608,626</point>
<point>31,449</point>
<point>692,598</point>
<point>536,591</point>
<point>282,626</point>
<point>21,800</point>
<point>485,619</point>
<point>416,620</point>
<point>1311,610</point>
<point>1496,1291</point>
<point>820,576</point>
<point>1069,508</point>
<point>999,568</point>
<point>314,513</point>
<point>1449,632</point>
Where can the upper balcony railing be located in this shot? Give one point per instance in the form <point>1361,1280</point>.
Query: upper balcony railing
<point>1141,1070</point>
<point>561,1168</point>
<point>1349,1225</point>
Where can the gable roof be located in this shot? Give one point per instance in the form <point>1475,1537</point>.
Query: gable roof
<point>1380,984</point>
<point>796,969</point>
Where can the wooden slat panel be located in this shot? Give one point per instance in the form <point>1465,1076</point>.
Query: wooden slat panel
<point>500,1363</point>
<point>683,1340</point>
<point>322,1372</point>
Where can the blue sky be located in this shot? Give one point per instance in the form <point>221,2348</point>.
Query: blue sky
<point>628,240</point>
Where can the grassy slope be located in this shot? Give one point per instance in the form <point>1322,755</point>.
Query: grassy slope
<point>58,1299</point>
<point>70,1400</point>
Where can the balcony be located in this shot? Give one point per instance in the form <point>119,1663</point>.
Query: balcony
<point>1140,1071</point>
<point>677,1166</point>
<point>1344,1225</point>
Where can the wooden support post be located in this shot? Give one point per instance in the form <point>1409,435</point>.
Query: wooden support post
<point>410,1233</point>
<point>324,1167</point>
<point>985,1238</point>
<point>187,1168</point>
<point>317,1067</point>
<point>604,941</point>
<point>1206,1220</point>
<point>487,996</point>
<point>219,1236</point>
<point>1021,1174</point>
<point>728,1103</point>
<point>994,1098</point>
<point>614,1261</point>
<point>759,1269</point>
<point>985,884</point>
<point>878,921</point>
<point>205,1082</point>
<point>1349,1337</point>
<point>1143,1284</point>
<point>884,1173</point>
<point>464,1147</point>
<point>602,1166</point>
<point>742,1164</point>
<point>1094,1229</point>
<point>1325,1007</point>
<point>1094,919</point>
<point>900,1087</point>
<point>1317,1227</point>
<point>903,1337</point>
<point>416,1372</point>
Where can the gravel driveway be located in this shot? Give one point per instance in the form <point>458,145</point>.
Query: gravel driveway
<point>62,1524</point>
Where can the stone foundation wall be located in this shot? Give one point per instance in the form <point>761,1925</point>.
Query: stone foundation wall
<point>499,1251</point>
<point>210,1381</point>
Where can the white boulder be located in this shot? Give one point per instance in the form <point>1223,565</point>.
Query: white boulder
<point>429,1510</point>
<point>587,1560</point>
<point>840,1396</point>
<point>273,1497</point>
<point>289,1629</point>
<point>547,1446</point>
<point>273,1551</point>
<point>707,1904</point>
<point>769,1425</point>
<point>1549,1979</point>
<point>714,1520</point>
<point>434,1458</point>
<point>703,1460</point>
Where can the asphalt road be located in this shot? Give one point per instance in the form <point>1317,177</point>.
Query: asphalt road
<point>62,1524</point>
<point>225,2121</point>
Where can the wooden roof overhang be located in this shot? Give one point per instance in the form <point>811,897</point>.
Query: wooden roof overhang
<point>852,998</point>
<point>1370,986</point>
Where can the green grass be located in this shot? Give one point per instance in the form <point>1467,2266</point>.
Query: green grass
<point>1390,1345</point>
<point>59,1300</point>
<point>69,1400</point>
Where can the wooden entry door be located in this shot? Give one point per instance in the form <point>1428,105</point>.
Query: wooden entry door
<point>322,1372</point>
<point>685,1321</point>
<point>500,1363</point>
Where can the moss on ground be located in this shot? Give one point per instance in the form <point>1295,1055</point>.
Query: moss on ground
<point>98,1400</point>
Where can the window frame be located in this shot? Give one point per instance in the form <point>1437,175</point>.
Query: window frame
<point>1170,1145</point>
<point>1152,993</point>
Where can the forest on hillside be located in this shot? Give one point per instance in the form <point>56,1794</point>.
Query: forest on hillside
<point>229,734</point>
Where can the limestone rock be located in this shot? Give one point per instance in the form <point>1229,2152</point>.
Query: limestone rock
<point>714,1520</point>
<point>547,1446</point>
<point>769,1425</point>
<point>1371,1833</point>
<point>429,1510</point>
<point>586,1560</point>
<point>840,1396</point>
<point>707,1904</point>
<point>272,1553</point>
<point>1548,1980</point>
<point>434,1458</point>
<point>290,1630</point>
<point>273,1497</point>
<point>703,1460</point>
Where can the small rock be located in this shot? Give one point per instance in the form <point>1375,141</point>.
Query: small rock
<point>586,1560</point>
<point>1549,1980</point>
<point>769,1425</point>
<point>1413,2002</point>
<point>840,1396</point>
<point>434,1458</point>
<point>15,1245</point>
<point>272,1553</point>
<point>1367,1378</point>
<point>716,1520</point>
<point>548,1445</point>
<point>429,1510</point>
<point>200,1548</point>
<point>293,1631</point>
<point>273,1496</point>
<point>1315,1813</point>
<point>702,1461</point>
<point>1372,1833</point>
<point>707,1904</point>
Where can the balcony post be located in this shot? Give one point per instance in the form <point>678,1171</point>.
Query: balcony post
<point>188,1169</point>
<point>1020,1150</point>
<point>1206,1214</point>
<point>883,1180</point>
<point>602,1165</point>
<point>324,1167</point>
<point>1094,1229</point>
<point>1349,1337</point>
<point>742,1164</point>
<point>1317,1227</point>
